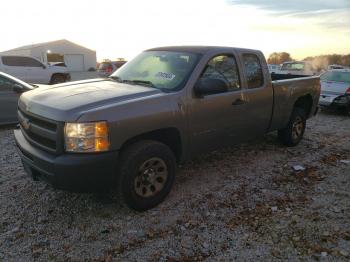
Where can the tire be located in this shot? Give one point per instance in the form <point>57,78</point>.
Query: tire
<point>146,174</point>
<point>58,78</point>
<point>293,133</point>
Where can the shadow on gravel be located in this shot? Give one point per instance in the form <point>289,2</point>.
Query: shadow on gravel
<point>7,127</point>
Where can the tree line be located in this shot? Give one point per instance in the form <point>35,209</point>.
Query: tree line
<point>320,62</point>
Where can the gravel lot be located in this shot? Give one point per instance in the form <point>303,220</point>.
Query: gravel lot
<point>243,203</point>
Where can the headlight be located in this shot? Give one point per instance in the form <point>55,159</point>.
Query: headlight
<point>86,137</point>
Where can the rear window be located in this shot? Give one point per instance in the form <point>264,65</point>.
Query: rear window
<point>119,63</point>
<point>104,66</point>
<point>335,76</point>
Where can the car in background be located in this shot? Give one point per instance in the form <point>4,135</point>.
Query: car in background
<point>31,70</point>
<point>335,89</point>
<point>105,69</point>
<point>331,67</point>
<point>273,68</point>
<point>301,68</point>
<point>10,90</point>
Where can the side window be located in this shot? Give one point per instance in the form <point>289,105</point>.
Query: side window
<point>20,61</point>
<point>12,60</point>
<point>253,71</point>
<point>5,84</point>
<point>32,62</point>
<point>223,67</point>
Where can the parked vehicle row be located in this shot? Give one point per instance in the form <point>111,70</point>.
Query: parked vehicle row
<point>166,106</point>
<point>31,70</point>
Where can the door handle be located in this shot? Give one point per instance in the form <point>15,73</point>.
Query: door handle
<point>238,102</point>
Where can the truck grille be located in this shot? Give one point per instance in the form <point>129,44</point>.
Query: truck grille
<point>40,132</point>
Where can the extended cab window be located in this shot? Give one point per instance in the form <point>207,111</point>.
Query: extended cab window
<point>253,71</point>
<point>223,67</point>
<point>12,60</point>
<point>20,61</point>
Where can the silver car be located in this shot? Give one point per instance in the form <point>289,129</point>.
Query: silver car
<point>335,89</point>
<point>10,90</point>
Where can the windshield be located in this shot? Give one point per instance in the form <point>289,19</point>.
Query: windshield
<point>164,70</point>
<point>335,76</point>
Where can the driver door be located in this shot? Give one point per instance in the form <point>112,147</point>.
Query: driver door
<point>217,120</point>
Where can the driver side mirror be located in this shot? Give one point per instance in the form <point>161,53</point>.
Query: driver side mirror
<point>18,88</point>
<point>210,86</point>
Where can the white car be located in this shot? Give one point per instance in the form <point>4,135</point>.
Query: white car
<point>31,70</point>
<point>335,89</point>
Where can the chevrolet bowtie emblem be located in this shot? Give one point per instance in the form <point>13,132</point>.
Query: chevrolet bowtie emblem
<point>26,124</point>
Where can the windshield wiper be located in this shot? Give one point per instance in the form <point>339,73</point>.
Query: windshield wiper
<point>135,81</point>
<point>142,82</point>
<point>116,78</point>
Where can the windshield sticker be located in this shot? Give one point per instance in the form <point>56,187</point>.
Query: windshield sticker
<point>167,76</point>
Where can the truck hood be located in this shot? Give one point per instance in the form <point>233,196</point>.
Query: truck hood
<point>67,102</point>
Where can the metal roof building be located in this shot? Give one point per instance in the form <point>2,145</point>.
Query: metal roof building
<point>76,57</point>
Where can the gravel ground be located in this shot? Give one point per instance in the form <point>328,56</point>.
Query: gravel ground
<point>243,203</point>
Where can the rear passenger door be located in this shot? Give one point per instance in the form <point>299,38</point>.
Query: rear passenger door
<point>218,120</point>
<point>15,66</point>
<point>258,94</point>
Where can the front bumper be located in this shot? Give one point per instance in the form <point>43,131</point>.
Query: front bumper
<point>342,101</point>
<point>72,172</point>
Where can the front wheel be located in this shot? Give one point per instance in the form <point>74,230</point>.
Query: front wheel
<point>146,174</point>
<point>293,133</point>
<point>57,79</point>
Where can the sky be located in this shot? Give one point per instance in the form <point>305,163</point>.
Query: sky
<point>116,28</point>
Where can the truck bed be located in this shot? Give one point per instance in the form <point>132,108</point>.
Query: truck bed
<point>286,93</point>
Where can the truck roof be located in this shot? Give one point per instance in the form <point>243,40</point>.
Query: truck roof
<point>199,49</point>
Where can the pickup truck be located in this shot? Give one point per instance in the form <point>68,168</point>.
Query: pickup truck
<point>33,71</point>
<point>128,132</point>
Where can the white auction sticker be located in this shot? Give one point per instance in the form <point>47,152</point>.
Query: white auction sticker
<point>168,76</point>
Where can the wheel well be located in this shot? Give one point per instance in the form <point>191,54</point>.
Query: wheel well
<point>168,136</point>
<point>57,74</point>
<point>304,102</point>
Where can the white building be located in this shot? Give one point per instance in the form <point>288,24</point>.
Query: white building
<point>76,57</point>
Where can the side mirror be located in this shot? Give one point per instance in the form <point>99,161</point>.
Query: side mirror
<point>44,66</point>
<point>18,88</point>
<point>210,86</point>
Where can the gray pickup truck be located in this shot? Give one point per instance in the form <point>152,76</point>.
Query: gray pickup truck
<point>166,106</point>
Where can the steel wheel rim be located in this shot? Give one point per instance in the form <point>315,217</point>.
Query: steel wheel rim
<point>151,178</point>
<point>297,128</point>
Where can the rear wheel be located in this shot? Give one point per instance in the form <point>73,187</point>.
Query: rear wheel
<point>293,133</point>
<point>58,78</point>
<point>146,174</point>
